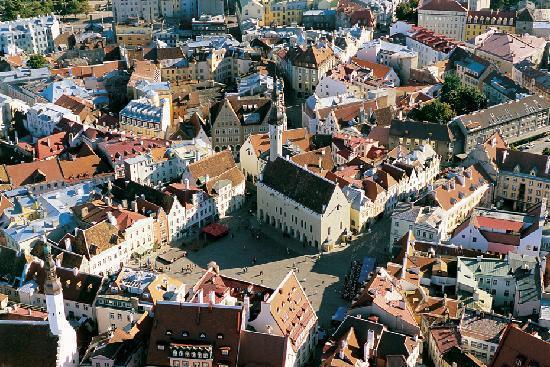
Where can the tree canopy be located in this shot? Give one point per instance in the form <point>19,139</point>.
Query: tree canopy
<point>10,9</point>
<point>37,62</point>
<point>463,100</point>
<point>434,111</point>
<point>406,11</point>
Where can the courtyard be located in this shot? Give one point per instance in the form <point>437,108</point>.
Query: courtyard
<point>260,254</point>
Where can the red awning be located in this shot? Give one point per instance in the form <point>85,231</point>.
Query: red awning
<point>215,230</point>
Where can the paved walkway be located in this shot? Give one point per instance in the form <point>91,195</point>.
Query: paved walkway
<point>321,276</point>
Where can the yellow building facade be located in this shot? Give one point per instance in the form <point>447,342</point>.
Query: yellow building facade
<point>478,22</point>
<point>285,13</point>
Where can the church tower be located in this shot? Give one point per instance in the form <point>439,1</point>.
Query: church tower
<point>277,122</point>
<point>59,326</point>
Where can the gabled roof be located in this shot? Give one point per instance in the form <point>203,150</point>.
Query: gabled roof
<point>298,184</point>
<point>443,5</point>
<point>217,167</point>
<point>312,56</point>
<point>204,325</point>
<point>249,111</point>
<point>298,137</point>
<point>525,163</point>
<point>28,343</point>
<point>519,346</point>
<point>291,310</point>
<point>420,130</point>
<point>34,172</point>
<point>77,286</point>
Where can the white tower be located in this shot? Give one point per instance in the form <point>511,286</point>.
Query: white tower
<point>59,326</point>
<point>276,124</point>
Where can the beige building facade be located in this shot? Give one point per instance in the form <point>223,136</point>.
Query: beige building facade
<point>302,204</point>
<point>446,17</point>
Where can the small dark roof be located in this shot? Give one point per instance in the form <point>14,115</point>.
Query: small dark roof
<point>461,358</point>
<point>27,343</point>
<point>182,325</point>
<point>77,286</point>
<point>420,130</point>
<point>361,327</point>
<point>11,265</point>
<point>129,190</point>
<point>504,85</point>
<point>259,349</point>
<point>299,184</point>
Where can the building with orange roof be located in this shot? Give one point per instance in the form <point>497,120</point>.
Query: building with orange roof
<point>287,312</point>
<point>384,297</point>
<point>517,347</point>
<point>254,152</point>
<point>356,78</point>
<point>333,114</point>
<point>457,197</point>
<point>51,146</point>
<point>441,339</point>
<point>136,229</point>
<point>374,185</point>
<point>501,231</point>
<point>308,65</point>
<point>221,179</point>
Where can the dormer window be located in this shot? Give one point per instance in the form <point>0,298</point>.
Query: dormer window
<point>175,353</point>
<point>184,333</point>
<point>516,168</point>
<point>533,172</point>
<point>168,332</point>
<point>202,335</point>
<point>220,336</point>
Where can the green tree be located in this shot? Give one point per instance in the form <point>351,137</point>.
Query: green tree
<point>450,86</point>
<point>462,99</point>
<point>407,12</point>
<point>468,100</point>
<point>37,62</point>
<point>546,151</point>
<point>434,111</point>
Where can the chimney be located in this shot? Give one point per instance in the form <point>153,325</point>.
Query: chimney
<point>368,346</point>
<point>505,154</point>
<point>320,162</point>
<point>108,201</point>
<point>200,298</point>
<point>48,142</point>
<point>134,206</point>
<point>207,178</point>
<point>111,218</point>
<point>343,346</point>
<point>68,245</point>
<point>212,297</point>
<point>186,181</point>
<point>246,302</point>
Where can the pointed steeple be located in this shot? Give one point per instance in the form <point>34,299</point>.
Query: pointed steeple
<point>52,285</point>
<point>277,115</point>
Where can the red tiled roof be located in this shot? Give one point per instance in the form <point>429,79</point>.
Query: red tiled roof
<point>50,146</point>
<point>518,346</point>
<point>498,223</point>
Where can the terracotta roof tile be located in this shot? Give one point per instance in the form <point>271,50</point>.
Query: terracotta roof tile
<point>34,172</point>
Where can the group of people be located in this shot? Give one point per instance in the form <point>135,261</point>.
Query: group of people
<point>351,284</point>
